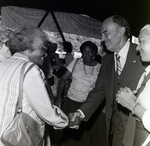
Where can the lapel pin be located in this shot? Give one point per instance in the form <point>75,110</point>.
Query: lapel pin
<point>134,61</point>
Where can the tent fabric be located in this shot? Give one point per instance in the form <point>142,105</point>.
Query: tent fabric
<point>13,16</point>
<point>76,40</point>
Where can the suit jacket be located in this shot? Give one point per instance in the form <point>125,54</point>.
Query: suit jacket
<point>107,85</point>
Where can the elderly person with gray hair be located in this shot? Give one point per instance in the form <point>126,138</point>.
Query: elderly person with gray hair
<point>28,45</point>
<point>138,101</point>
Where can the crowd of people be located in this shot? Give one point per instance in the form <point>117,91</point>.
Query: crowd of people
<point>118,80</point>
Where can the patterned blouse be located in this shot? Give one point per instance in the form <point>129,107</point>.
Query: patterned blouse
<point>83,80</point>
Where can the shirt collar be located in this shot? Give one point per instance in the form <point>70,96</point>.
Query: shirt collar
<point>123,52</point>
<point>147,70</point>
<point>20,55</point>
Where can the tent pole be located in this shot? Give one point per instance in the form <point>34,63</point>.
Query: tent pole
<point>56,22</point>
<point>58,27</point>
<point>44,17</point>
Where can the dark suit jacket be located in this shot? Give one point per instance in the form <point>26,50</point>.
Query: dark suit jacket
<point>107,84</point>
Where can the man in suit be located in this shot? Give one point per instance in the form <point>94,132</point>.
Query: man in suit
<point>115,32</point>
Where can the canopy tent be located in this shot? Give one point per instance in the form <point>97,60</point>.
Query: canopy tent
<point>135,11</point>
<point>76,28</point>
<point>69,22</point>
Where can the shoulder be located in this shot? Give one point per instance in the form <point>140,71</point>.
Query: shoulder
<point>133,45</point>
<point>134,56</point>
<point>108,57</point>
<point>34,71</point>
<point>133,52</point>
<point>132,49</point>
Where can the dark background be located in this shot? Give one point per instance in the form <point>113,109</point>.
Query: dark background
<point>137,12</point>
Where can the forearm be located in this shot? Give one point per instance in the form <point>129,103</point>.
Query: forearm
<point>143,115</point>
<point>61,87</point>
<point>38,99</point>
<point>89,107</point>
<point>94,98</point>
<point>138,110</point>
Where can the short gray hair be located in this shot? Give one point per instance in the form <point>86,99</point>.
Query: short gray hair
<point>25,37</point>
<point>122,22</point>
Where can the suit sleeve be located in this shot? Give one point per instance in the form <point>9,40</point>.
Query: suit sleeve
<point>95,96</point>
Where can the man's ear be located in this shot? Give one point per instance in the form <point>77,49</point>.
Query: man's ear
<point>122,30</point>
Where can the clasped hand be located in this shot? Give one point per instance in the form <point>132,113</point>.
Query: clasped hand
<point>74,120</point>
<point>126,98</point>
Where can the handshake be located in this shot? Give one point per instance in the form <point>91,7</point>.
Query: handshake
<point>75,120</point>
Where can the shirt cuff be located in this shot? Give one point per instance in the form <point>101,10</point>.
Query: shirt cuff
<point>82,114</point>
<point>146,120</point>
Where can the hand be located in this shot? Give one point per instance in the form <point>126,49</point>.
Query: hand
<point>126,98</point>
<point>74,120</point>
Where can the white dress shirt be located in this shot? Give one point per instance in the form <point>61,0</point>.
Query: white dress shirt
<point>144,99</point>
<point>123,55</point>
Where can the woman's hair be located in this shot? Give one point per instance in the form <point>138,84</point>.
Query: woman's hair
<point>90,45</point>
<point>122,22</point>
<point>25,38</point>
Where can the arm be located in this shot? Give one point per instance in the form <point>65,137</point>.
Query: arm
<point>61,86</point>
<point>95,96</point>
<point>94,99</point>
<point>126,98</point>
<point>38,98</point>
<point>138,110</point>
<point>86,110</point>
<point>63,80</point>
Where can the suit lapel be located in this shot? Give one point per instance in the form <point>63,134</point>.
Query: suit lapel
<point>129,68</point>
<point>111,74</point>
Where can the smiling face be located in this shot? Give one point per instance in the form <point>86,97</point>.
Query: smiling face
<point>88,54</point>
<point>144,45</point>
<point>111,35</point>
<point>37,55</point>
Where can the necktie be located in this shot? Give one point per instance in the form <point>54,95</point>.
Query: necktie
<point>118,65</point>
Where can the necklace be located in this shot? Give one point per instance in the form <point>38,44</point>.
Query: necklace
<point>88,74</point>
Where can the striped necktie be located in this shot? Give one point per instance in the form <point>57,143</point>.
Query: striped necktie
<point>118,65</point>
